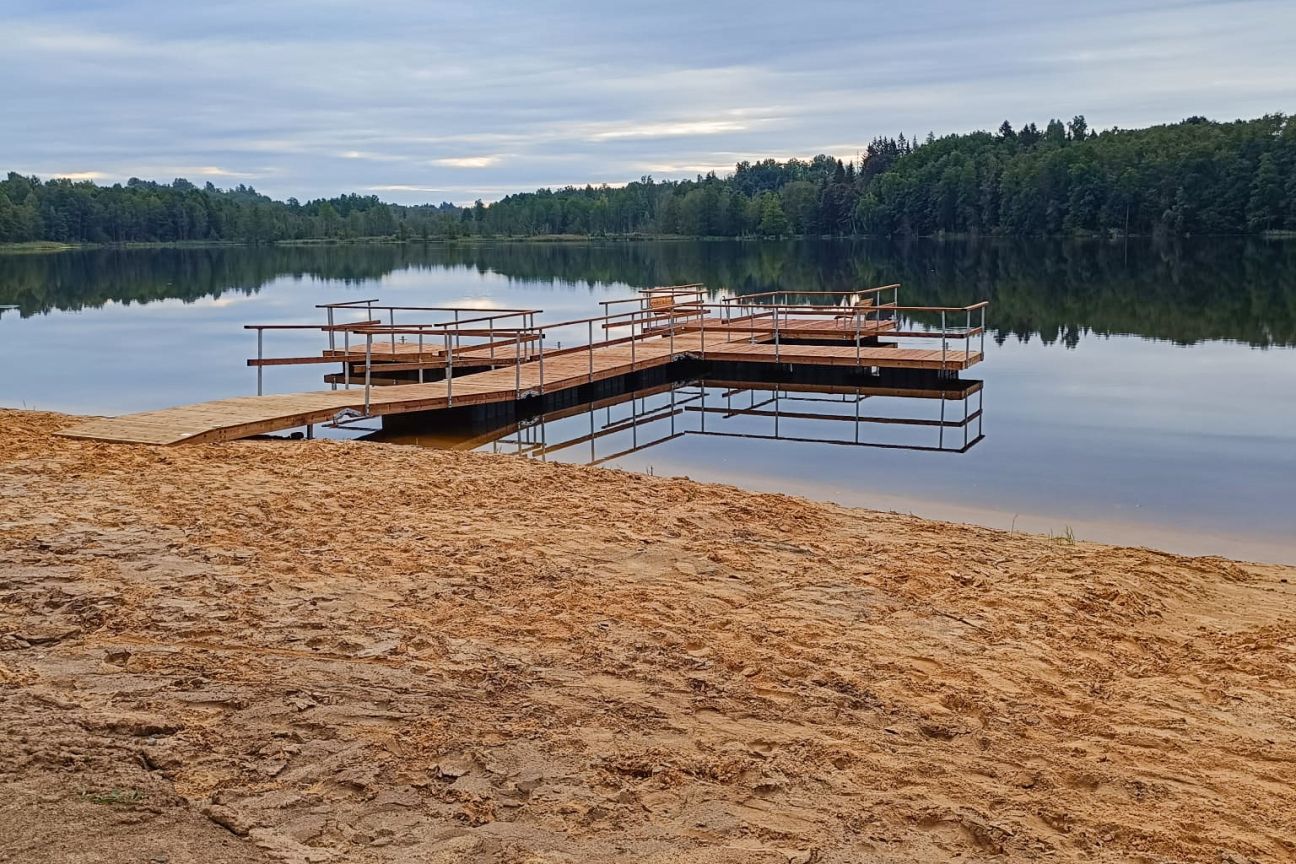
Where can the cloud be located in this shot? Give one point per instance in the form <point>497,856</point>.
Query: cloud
<point>467,161</point>
<point>668,129</point>
<point>76,175</point>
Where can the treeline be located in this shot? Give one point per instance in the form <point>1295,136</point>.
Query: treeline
<point>139,211</point>
<point>1194,177</point>
<point>1055,290</point>
<point>1197,176</point>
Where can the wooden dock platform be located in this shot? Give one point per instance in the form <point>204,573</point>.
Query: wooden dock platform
<point>525,368</point>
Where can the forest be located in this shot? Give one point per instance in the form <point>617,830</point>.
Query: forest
<point>1194,177</point>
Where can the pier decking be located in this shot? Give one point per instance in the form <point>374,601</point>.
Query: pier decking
<point>513,362</point>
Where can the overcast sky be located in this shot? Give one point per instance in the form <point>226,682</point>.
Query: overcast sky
<point>427,101</point>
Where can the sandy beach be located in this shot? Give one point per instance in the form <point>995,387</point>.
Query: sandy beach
<point>318,651</point>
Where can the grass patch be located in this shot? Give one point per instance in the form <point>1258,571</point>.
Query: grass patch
<point>115,797</point>
<point>1067,536</point>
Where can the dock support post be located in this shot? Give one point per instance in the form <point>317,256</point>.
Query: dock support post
<point>517,367</point>
<point>368,367</point>
<point>346,359</point>
<point>310,431</point>
<point>541,362</point>
<point>591,351</point>
<point>260,368</point>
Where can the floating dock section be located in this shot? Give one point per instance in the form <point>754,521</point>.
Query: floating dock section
<point>485,356</point>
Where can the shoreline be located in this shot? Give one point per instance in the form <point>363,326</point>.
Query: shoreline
<point>318,651</point>
<point>52,246</point>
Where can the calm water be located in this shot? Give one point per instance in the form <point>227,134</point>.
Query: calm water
<point>1139,393</point>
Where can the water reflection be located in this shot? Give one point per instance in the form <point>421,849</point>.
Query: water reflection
<point>1240,289</point>
<point>926,415</point>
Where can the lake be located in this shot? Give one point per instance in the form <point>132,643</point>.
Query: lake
<point>1134,392</point>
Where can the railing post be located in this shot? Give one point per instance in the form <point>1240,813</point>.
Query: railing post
<point>449,372</point>
<point>776,335</point>
<point>632,342</point>
<point>391,321</point>
<point>944,341</point>
<point>420,355</point>
<point>346,359</point>
<point>857,340</point>
<point>368,367</point>
<point>490,335</point>
<point>983,332</point>
<point>517,365</point>
<point>967,339</point>
<point>591,351</point>
<point>541,362</point>
<point>260,368</point>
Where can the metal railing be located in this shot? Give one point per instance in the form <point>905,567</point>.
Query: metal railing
<point>496,338</point>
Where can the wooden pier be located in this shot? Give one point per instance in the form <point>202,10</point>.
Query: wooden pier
<point>494,356</point>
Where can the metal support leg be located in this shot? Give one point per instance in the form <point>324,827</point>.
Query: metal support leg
<point>260,368</point>
<point>332,341</point>
<point>944,342</point>
<point>449,372</point>
<point>368,368</point>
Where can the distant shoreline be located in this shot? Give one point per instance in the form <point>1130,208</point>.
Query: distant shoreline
<point>43,246</point>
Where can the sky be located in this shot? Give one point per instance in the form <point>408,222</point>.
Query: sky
<point>419,101</point>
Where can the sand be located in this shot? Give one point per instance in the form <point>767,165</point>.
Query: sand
<point>318,651</point>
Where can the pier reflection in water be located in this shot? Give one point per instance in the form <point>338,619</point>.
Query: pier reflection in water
<point>937,415</point>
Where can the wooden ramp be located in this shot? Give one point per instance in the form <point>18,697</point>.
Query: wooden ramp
<point>231,419</point>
